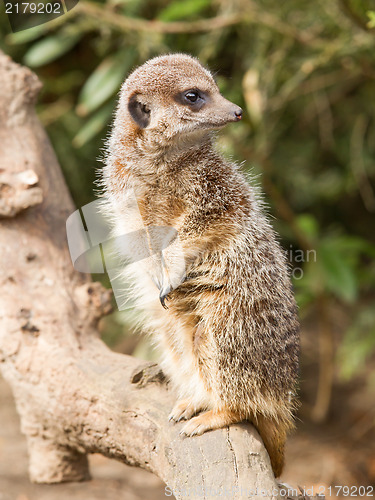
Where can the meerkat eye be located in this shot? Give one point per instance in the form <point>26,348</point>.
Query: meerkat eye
<point>192,96</point>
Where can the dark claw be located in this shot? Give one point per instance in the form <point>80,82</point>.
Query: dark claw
<point>163,298</point>
<point>164,295</point>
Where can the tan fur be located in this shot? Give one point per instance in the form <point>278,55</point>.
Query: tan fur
<point>229,338</point>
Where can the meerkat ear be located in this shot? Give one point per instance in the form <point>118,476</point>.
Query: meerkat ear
<point>139,111</point>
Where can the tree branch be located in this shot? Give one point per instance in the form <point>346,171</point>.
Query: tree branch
<point>250,15</point>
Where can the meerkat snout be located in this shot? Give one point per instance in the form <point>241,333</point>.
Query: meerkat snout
<point>212,110</point>
<point>223,111</point>
<point>238,114</point>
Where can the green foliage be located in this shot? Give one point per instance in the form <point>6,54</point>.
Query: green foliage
<point>305,78</point>
<point>337,269</point>
<point>338,276</point>
<point>27,35</point>
<point>308,225</point>
<point>371,15</point>
<point>50,48</point>
<point>93,125</point>
<point>182,9</point>
<point>104,81</point>
<point>358,344</point>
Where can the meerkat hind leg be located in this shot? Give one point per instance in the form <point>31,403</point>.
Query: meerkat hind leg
<point>210,420</point>
<point>184,410</point>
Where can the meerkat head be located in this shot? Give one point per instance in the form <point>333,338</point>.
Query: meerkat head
<point>172,96</point>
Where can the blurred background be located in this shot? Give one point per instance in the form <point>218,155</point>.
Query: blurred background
<point>304,73</point>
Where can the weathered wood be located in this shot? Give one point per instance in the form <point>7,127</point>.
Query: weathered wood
<point>73,394</point>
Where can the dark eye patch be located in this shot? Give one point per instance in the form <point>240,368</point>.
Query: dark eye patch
<point>194,98</point>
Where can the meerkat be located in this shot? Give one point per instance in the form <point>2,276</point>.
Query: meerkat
<point>223,315</point>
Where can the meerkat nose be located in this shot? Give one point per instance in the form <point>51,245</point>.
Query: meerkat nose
<point>238,114</point>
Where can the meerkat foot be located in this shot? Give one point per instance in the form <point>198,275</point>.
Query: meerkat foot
<point>208,421</point>
<point>183,410</point>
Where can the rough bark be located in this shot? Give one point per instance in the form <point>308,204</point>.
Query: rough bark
<point>73,394</point>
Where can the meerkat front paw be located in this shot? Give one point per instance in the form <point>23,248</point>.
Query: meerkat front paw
<point>183,410</point>
<point>208,421</point>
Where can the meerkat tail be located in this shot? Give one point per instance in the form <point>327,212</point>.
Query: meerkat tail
<point>273,433</point>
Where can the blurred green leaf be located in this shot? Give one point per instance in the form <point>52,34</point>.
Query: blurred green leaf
<point>95,124</point>
<point>308,225</point>
<point>353,245</point>
<point>358,344</point>
<point>104,82</point>
<point>182,9</point>
<point>371,16</point>
<point>51,48</point>
<point>337,274</point>
<point>28,35</point>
